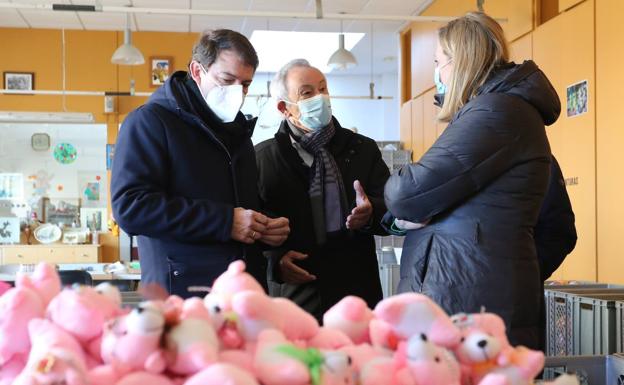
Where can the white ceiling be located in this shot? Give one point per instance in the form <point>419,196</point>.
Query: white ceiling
<point>385,33</point>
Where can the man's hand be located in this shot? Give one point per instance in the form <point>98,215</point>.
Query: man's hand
<point>361,214</point>
<point>277,230</point>
<point>248,225</point>
<point>292,273</point>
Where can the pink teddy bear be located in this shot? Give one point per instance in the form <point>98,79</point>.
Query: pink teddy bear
<point>222,374</point>
<point>18,305</point>
<point>55,358</point>
<point>487,357</point>
<point>351,316</point>
<point>257,312</point>
<point>192,343</point>
<point>82,311</point>
<point>132,343</point>
<point>427,363</point>
<point>143,378</point>
<point>402,316</point>
<point>279,362</point>
<point>219,302</point>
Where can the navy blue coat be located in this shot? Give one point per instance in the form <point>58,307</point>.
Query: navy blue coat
<point>175,184</point>
<point>482,184</point>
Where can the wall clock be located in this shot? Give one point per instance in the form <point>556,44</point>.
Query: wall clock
<point>40,141</point>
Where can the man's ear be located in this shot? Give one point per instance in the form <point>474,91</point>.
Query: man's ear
<point>195,70</point>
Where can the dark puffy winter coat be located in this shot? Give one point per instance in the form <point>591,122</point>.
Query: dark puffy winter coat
<point>347,263</point>
<point>177,175</point>
<point>481,185</point>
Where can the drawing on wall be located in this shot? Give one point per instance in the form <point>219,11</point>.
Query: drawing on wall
<point>11,186</point>
<point>92,192</point>
<point>41,183</point>
<point>9,230</point>
<point>65,153</point>
<point>576,97</point>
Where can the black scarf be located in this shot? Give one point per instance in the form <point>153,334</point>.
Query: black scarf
<point>327,192</point>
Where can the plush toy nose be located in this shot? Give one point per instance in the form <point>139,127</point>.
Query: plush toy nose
<point>482,343</point>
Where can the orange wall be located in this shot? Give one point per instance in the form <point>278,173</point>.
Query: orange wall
<point>88,68</point>
<point>610,138</point>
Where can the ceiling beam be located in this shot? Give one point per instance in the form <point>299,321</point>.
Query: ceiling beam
<point>261,14</point>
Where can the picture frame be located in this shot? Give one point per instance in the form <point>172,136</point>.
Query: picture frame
<point>576,98</point>
<point>61,211</point>
<point>161,67</point>
<point>11,186</point>
<point>94,218</point>
<point>19,81</point>
<point>9,230</point>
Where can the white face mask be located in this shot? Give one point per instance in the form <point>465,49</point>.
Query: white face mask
<point>224,101</point>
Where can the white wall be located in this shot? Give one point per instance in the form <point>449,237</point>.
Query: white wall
<point>377,119</point>
<point>17,156</point>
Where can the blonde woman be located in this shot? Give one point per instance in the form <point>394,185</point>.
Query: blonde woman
<point>480,186</point>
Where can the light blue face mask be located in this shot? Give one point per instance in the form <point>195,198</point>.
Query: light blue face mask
<point>440,87</point>
<point>316,111</point>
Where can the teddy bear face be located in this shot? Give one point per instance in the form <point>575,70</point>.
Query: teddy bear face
<point>144,319</point>
<point>82,311</point>
<point>430,364</point>
<point>477,346</point>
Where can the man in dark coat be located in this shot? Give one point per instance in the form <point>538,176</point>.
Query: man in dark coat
<point>184,175</point>
<point>328,181</point>
<point>481,186</point>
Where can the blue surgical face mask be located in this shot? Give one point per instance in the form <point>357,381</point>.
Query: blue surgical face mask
<point>315,112</point>
<point>440,87</point>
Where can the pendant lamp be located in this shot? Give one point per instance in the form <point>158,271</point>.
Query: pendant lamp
<point>341,59</point>
<point>127,54</point>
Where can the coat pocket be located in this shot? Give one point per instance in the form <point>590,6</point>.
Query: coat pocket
<point>193,278</point>
<point>455,259</point>
<point>415,258</point>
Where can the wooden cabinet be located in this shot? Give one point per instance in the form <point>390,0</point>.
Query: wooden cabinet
<point>56,253</point>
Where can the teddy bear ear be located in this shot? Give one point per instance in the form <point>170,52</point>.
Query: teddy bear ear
<point>236,267</point>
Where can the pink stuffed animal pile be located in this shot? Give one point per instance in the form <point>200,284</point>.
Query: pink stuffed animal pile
<point>237,335</point>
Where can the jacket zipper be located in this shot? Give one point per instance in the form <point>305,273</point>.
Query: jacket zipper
<point>230,161</point>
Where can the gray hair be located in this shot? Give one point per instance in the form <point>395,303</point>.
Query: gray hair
<point>279,88</point>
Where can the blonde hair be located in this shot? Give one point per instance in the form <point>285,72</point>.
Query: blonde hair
<point>476,44</point>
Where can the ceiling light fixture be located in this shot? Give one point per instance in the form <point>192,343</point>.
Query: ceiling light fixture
<point>341,59</point>
<point>127,54</point>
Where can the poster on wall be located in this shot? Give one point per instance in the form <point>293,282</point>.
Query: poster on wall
<point>576,97</point>
<point>90,188</point>
<point>9,230</point>
<point>11,186</point>
<point>110,154</point>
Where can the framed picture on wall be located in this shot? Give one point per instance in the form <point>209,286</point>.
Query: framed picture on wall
<point>19,81</point>
<point>9,230</point>
<point>94,219</point>
<point>160,69</point>
<point>61,211</point>
<point>11,186</point>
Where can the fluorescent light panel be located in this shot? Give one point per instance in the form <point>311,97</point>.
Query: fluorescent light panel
<point>46,117</point>
<point>276,48</point>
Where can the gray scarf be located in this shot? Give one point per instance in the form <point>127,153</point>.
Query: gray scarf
<point>327,192</point>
